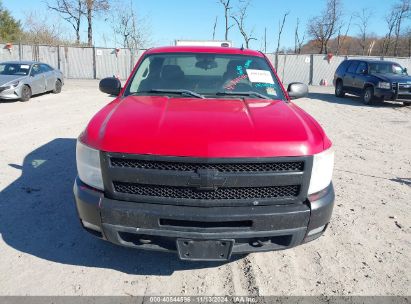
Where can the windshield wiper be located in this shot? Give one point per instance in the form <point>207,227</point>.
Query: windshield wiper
<point>181,92</point>
<point>251,93</point>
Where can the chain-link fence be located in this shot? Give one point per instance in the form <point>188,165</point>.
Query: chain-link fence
<point>97,63</point>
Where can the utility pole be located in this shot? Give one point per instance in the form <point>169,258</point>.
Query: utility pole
<point>265,40</point>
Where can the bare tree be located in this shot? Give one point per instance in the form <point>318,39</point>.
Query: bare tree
<point>408,37</point>
<point>92,7</point>
<point>227,8</point>
<point>39,29</point>
<point>298,40</point>
<point>133,32</point>
<point>402,11</point>
<point>215,26</point>
<point>326,25</point>
<point>395,19</point>
<point>371,47</point>
<point>240,17</point>
<point>71,11</point>
<point>280,30</point>
<point>362,23</point>
<point>390,19</point>
<point>341,40</point>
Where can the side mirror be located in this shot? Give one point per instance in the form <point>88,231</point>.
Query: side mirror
<point>364,72</point>
<point>405,71</point>
<point>110,85</point>
<point>297,90</point>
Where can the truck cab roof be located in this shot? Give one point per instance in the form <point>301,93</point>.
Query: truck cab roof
<point>204,49</point>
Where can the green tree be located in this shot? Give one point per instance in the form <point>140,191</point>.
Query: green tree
<point>10,28</point>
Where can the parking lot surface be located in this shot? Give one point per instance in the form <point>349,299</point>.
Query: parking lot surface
<point>44,251</point>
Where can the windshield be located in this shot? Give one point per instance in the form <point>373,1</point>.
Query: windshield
<point>210,75</point>
<point>386,68</point>
<point>14,69</point>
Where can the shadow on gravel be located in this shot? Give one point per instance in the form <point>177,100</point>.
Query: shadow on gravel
<point>5,101</point>
<point>38,217</point>
<point>353,101</point>
<point>33,98</point>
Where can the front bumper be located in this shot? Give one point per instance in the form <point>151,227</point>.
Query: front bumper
<point>11,94</point>
<point>158,226</point>
<point>393,95</point>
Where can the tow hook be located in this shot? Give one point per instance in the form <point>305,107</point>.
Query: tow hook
<point>259,242</point>
<point>144,241</point>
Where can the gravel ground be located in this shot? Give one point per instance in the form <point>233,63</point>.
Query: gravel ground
<point>43,251</point>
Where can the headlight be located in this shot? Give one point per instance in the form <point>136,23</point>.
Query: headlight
<point>321,174</point>
<point>12,85</point>
<point>384,85</point>
<point>15,84</point>
<point>88,166</point>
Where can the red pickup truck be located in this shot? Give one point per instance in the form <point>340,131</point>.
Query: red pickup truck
<point>202,153</point>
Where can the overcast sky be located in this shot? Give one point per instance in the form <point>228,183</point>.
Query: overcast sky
<point>194,19</point>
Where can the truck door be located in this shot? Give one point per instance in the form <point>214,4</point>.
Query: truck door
<point>360,77</point>
<point>350,76</point>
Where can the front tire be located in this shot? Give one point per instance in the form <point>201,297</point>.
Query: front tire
<point>339,89</point>
<point>57,87</point>
<point>368,96</point>
<point>25,93</point>
<point>406,103</point>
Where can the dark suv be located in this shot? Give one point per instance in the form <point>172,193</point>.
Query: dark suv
<point>373,80</point>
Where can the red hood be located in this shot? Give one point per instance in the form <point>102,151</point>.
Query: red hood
<point>204,128</point>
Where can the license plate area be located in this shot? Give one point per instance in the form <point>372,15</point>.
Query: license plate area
<point>204,250</point>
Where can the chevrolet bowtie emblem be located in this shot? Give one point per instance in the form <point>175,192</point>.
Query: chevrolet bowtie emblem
<point>206,179</point>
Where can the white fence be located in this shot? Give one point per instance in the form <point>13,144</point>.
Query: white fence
<point>97,63</point>
<point>77,62</point>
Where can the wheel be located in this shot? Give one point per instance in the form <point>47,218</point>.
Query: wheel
<point>57,87</point>
<point>339,90</point>
<point>406,103</point>
<point>368,96</point>
<point>25,93</point>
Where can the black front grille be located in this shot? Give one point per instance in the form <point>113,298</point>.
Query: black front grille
<point>402,87</point>
<point>288,191</point>
<point>292,166</point>
<point>206,181</point>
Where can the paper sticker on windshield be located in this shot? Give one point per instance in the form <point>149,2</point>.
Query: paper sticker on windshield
<point>24,66</point>
<point>260,76</point>
<point>271,91</point>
